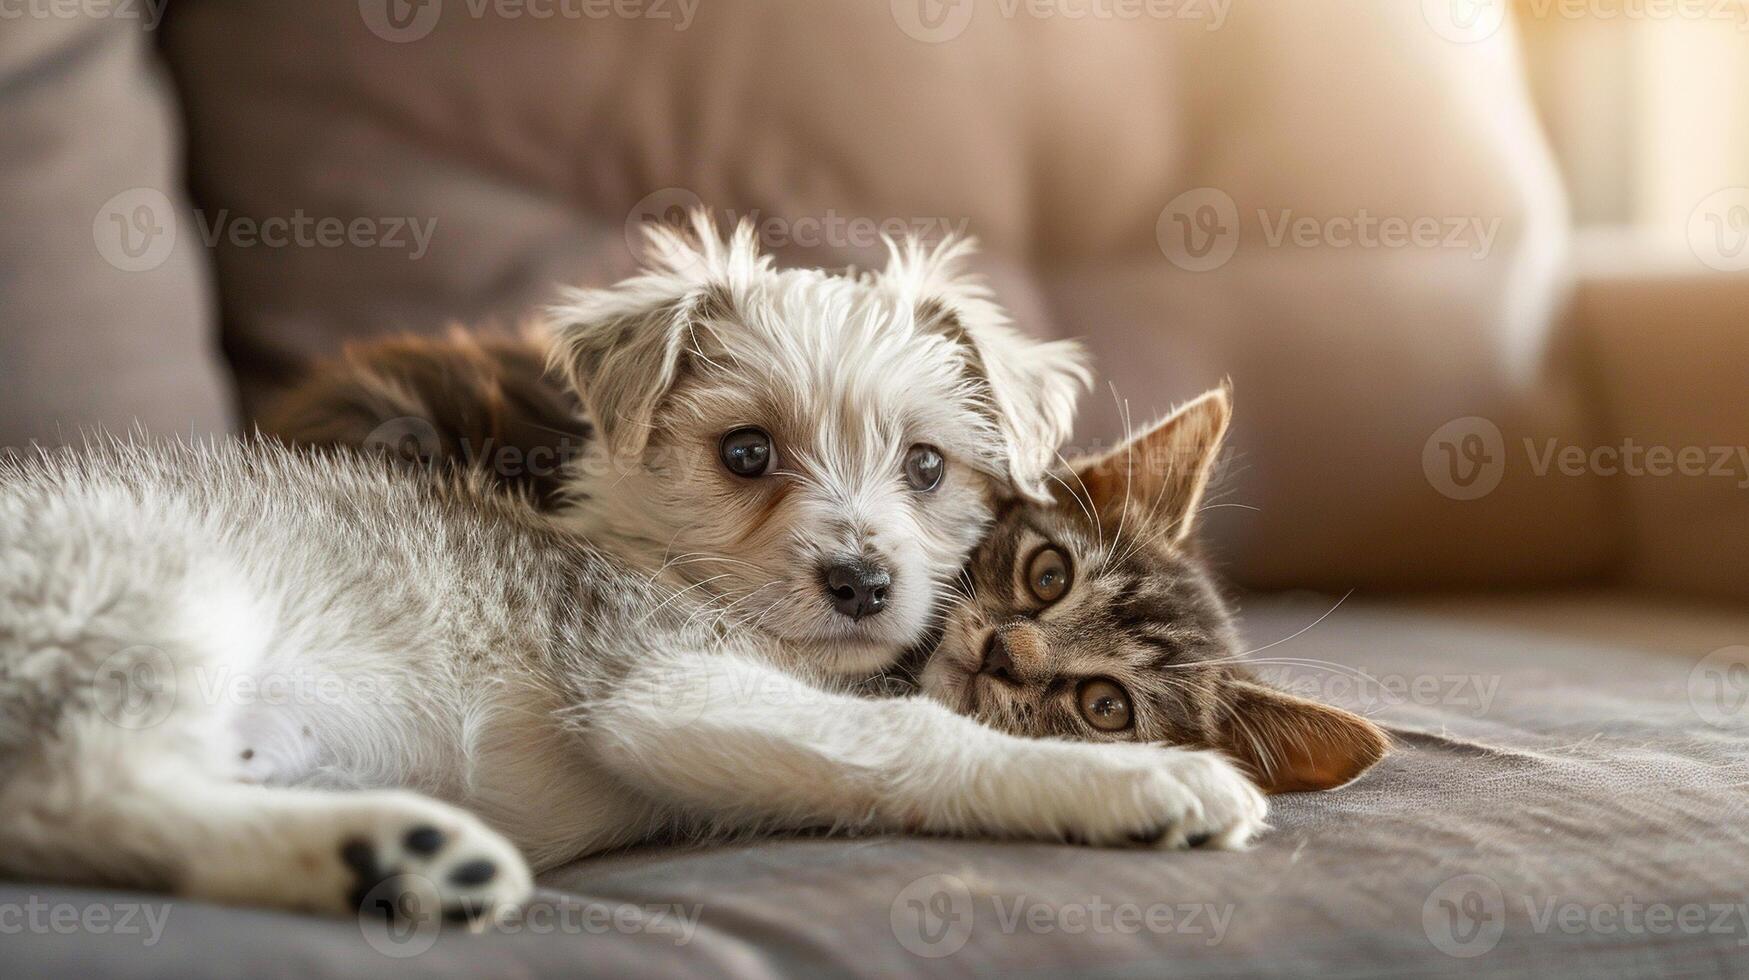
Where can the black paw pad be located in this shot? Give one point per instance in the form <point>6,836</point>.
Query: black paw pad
<point>1151,836</point>
<point>361,856</point>
<point>476,872</point>
<point>424,840</point>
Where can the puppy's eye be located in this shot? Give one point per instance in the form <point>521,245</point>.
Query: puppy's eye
<point>747,452</point>
<point>1105,704</point>
<point>923,468</point>
<point>1048,575</point>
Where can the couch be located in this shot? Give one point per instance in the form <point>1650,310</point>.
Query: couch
<point>203,199</point>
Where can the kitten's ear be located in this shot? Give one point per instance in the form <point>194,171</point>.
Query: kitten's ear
<point>1290,744</point>
<point>1159,476</point>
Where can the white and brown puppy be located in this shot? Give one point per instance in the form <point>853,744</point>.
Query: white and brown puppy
<point>812,453</point>
<point>309,681</point>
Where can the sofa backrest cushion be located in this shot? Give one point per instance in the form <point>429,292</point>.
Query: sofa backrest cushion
<point>1143,181</point>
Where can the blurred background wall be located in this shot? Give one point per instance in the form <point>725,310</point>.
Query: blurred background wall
<point>1362,212</point>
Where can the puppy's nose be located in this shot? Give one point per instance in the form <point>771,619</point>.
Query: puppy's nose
<point>857,587</point>
<point>998,660</point>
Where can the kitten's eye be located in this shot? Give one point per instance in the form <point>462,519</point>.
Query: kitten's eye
<point>747,452</point>
<point>923,468</point>
<point>1047,574</point>
<point>1105,704</point>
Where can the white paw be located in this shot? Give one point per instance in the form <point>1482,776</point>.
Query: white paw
<point>1144,796</point>
<point>417,858</point>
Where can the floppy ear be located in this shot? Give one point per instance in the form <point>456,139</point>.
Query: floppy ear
<point>1158,477</point>
<point>1290,744</point>
<point>621,347</point>
<point>621,363</point>
<point>1029,386</point>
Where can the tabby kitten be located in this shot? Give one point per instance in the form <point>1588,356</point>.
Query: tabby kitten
<point>1097,620</point>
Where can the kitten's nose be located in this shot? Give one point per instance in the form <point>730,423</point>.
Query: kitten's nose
<point>857,586</point>
<point>998,660</point>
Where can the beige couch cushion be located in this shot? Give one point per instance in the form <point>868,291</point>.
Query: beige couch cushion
<point>1067,144</point>
<point>105,308</point>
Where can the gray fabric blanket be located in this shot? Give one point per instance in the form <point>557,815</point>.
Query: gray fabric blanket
<point>1566,797</point>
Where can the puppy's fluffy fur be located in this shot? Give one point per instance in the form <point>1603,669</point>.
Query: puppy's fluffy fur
<point>310,682</point>
<point>847,373</point>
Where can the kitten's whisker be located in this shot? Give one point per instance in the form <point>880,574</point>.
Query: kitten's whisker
<point>1086,510</point>
<point>1314,622</point>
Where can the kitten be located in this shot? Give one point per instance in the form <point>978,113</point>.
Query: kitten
<point>1097,620</point>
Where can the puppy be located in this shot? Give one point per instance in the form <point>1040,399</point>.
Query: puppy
<point>311,682</point>
<point>752,433</point>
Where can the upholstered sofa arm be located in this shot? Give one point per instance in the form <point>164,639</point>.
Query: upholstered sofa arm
<point>1667,344</point>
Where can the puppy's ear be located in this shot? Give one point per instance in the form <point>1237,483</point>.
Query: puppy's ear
<point>621,348</point>
<point>621,363</point>
<point>1028,387</point>
<point>1158,477</point>
<point>1290,744</point>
